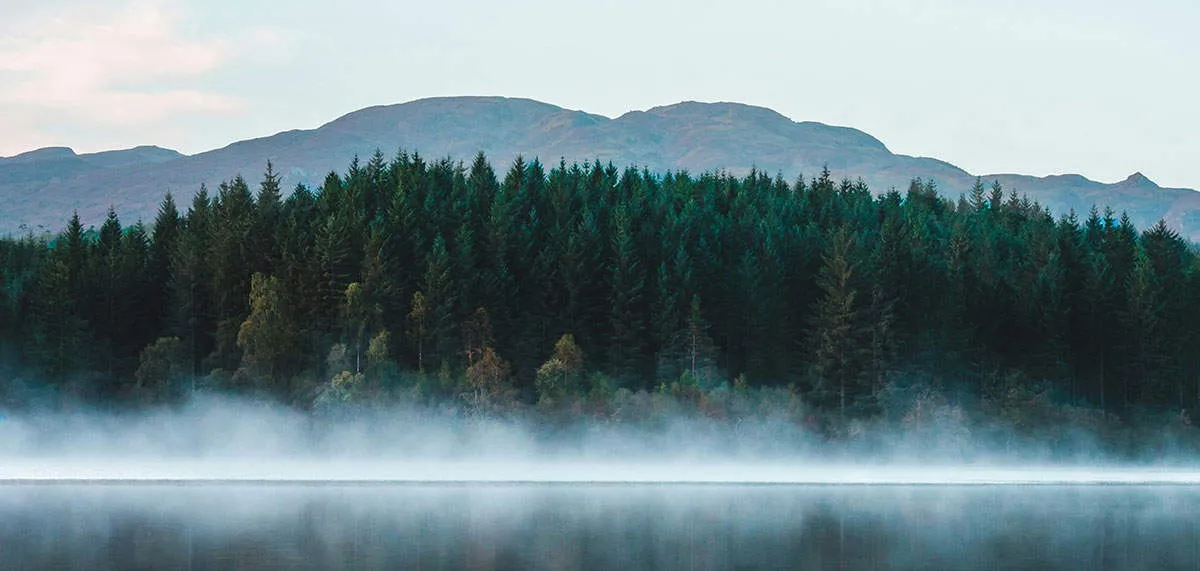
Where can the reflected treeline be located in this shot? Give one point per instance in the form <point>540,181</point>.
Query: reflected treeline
<point>617,527</point>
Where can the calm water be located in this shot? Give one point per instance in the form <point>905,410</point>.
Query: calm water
<point>68,526</point>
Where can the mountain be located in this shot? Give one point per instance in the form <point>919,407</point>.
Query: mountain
<point>43,187</point>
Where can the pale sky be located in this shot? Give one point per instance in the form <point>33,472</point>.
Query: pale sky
<point>1097,87</point>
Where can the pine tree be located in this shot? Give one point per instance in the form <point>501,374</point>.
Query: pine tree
<point>418,327</point>
<point>1142,321</point>
<point>76,250</point>
<point>105,273</point>
<point>438,292</point>
<point>626,284</point>
<point>167,229</point>
<point>267,220</point>
<point>836,328</point>
<point>138,321</point>
<point>691,350</point>
<point>1168,257</point>
<point>192,301</point>
<point>978,200</point>
<point>380,282</point>
<point>59,332</point>
<point>332,255</point>
<point>230,259</point>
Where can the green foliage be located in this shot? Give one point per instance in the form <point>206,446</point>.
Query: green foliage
<point>162,365</point>
<point>561,374</point>
<point>268,335</point>
<point>691,350</point>
<point>838,326</point>
<point>59,339</point>
<point>416,276</point>
<point>344,388</point>
<point>418,327</point>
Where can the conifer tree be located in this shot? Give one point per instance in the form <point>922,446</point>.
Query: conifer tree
<point>418,327</point>
<point>167,228</point>
<point>626,283</point>
<point>437,288</point>
<point>59,334</point>
<point>268,212</point>
<point>191,296</point>
<point>836,328</point>
<point>960,291</point>
<point>332,254</point>
<point>229,258</point>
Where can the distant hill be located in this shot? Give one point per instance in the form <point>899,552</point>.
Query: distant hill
<point>43,187</point>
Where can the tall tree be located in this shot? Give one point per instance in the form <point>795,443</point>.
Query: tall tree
<point>626,282</point>
<point>167,227</point>
<point>836,329</point>
<point>267,336</point>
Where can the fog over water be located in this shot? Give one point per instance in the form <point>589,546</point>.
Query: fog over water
<point>220,483</point>
<point>223,439</point>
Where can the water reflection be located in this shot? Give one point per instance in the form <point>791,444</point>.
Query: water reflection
<point>597,527</point>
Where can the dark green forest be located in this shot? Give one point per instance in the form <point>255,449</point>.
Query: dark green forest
<point>583,287</point>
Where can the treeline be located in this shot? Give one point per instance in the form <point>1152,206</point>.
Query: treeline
<point>541,285</point>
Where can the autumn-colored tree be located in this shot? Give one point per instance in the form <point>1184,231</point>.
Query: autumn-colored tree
<point>561,375</point>
<point>488,382</point>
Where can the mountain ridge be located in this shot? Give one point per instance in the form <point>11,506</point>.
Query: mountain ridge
<point>689,135</point>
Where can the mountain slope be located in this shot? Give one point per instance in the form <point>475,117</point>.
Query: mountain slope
<point>690,135</point>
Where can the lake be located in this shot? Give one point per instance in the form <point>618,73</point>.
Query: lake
<point>598,526</point>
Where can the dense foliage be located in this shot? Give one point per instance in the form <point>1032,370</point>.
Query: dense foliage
<point>545,287</point>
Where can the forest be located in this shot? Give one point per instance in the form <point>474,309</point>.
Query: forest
<point>590,291</point>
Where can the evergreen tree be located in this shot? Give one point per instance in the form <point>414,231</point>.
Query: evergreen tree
<point>192,301</point>
<point>626,282</point>
<point>167,227</point>
<point>268,213</point>
<point>332,254</point>
<point>59,334</point>
<point>230,259</point>
<point>836,329</point>
<point>418,327</point>
<point>871,288</point>
<point>438,292</point>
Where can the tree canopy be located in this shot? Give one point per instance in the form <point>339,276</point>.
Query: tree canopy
<point>443,270</point>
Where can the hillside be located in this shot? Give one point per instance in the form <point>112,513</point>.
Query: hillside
<point>689,135</point>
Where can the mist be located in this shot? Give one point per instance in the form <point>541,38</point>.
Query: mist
<point>244,483</point>
<point>218,438</point>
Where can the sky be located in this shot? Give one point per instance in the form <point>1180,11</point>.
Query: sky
<point>1097,87</point>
